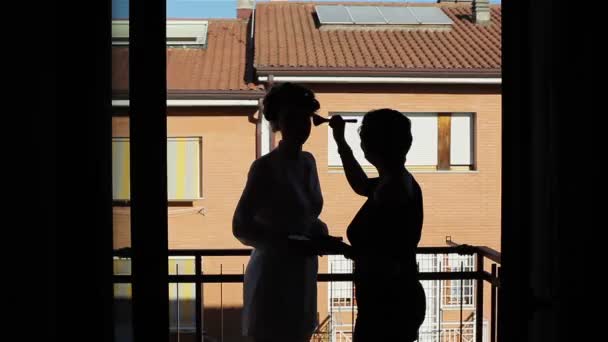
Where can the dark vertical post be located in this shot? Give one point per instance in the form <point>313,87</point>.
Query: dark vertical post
<point>198,299</point>
<point>148,146</point>
<point>479,299</point>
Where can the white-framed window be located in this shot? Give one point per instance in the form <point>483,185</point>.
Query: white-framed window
<point>441,141</point>
<point>184,168</point>
<point>341,293</point>
<point>432,317</point>
<point>180,33</point>
<point>456,291</point>
<point>444,295</point>
<point>123,319</point>
<point>122,266</point>
<point>182,300</point>
<point>462,140</point>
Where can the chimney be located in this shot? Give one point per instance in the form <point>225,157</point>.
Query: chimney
<point>481,11</point>
<point>244,9</point>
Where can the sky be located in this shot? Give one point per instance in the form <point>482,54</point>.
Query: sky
<point>208,8</point>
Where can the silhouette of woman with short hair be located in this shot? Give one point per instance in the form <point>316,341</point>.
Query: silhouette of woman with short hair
<point>384,234</point>
<point>282,199</point>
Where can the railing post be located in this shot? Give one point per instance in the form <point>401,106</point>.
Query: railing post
<point>222,305</point>
<point>352,302</point>
<point>493,310</point>
<point>461,298</point>
<point>479,299</point>
<point>177,302</point>
<point>439,302</point>
<point>198,300</point>
<point>498,297</point>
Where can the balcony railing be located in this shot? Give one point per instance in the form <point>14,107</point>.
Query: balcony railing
<point>466,329</point>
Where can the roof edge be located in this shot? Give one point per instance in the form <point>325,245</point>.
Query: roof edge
<point>377,72</point>
<point>202,94</point>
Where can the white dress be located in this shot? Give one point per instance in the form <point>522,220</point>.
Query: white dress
<point>280,290</point>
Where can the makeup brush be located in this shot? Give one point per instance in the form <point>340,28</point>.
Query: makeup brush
<point>318,119</point>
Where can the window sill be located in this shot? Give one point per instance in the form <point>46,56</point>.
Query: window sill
<point>456,307</point>
<point>340,170</point>
<point>170,203</point>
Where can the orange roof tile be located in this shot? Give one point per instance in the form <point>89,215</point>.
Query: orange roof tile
<point>220,67</point>
<point>287,38</point>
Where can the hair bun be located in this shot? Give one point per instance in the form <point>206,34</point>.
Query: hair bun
<point>288,95</point>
